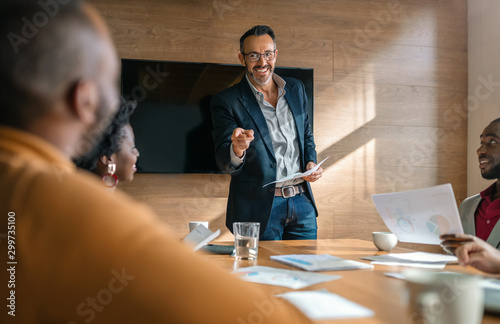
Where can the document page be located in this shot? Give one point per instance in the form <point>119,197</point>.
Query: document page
<point>298,175</point>
<point>320,262</point>
<point>324,305</point>
<point>420,216</point>
<point>200,236</point>
<point>295,279</point>
<point>413,259</point>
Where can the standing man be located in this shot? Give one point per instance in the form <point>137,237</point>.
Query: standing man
<point>480,213</point>
<point>262,134</point>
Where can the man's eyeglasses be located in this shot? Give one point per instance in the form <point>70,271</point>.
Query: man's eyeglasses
<point>254,57</point>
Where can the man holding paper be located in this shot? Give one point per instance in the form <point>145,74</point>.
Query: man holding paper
<point>262,134</point>
<point>480,213</point>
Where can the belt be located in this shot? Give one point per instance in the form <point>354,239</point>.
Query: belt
<point>290,191</point>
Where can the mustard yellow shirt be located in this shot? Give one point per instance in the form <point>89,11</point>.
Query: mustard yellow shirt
<point>84,255</point>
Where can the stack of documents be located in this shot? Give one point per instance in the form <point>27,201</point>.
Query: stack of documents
<point>413,259</point>
<point>321,262</point>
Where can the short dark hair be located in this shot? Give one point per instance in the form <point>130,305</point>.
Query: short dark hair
<point>496,120</point>
<point>44,52</point>
<point>259,30</point>
<point>112,137</point>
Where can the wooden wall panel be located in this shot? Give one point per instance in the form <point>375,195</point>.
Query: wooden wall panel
<point>390,85</point>
<point>484,47</point>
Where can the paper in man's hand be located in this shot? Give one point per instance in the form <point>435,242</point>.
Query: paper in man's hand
<point>297,175</point>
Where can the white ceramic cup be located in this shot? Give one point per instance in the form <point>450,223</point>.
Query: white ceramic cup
<point>384,241</point>
<point>192,225</point>
<point>443,297</point>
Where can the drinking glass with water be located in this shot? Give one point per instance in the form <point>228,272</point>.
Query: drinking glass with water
<point>246,240</point>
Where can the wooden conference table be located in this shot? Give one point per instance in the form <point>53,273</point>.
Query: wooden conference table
<point>369,288</point>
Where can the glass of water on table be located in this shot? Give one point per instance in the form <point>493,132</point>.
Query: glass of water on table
<point>246,240</point>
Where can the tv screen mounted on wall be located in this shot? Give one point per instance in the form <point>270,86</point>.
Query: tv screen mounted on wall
<point>172,121</point>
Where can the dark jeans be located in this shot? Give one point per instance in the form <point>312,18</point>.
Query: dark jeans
<point>291,219</point>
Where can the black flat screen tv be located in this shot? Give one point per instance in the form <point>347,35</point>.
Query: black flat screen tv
<point>172,122</point>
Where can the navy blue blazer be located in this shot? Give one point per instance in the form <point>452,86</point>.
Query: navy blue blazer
<point>237,107</point>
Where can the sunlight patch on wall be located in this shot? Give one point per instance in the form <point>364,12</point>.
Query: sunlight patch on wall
<point>343,111</point>
<point>360,168</point>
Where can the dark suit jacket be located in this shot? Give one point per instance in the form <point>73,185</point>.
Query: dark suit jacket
<point>238,107</point>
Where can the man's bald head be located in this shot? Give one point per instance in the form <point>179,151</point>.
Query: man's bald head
<point>46,48</point>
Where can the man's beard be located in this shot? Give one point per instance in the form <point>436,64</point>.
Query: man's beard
<point>494,173</point>
<point>260,81</point>
<point>88,149</point>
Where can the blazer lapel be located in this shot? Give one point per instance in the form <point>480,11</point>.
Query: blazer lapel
<point>468,223</point>
<point>294,103</point>
<point>494,238</point>
<point>249,102</point>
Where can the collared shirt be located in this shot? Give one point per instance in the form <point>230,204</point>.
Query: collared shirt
<point>283,132</point>
<point>487,213</point>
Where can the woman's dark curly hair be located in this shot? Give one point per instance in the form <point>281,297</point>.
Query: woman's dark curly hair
<point>111,138</point>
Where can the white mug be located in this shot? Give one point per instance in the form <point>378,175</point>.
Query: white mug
<point>384,241</point>
<point>443,297</point>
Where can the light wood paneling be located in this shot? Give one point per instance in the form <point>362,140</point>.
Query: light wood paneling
<point>389,93</point>
<point>483,52</point>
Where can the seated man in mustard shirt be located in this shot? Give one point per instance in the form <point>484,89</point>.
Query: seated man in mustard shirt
<point>76,253</point>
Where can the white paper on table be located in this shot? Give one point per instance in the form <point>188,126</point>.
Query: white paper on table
<point>200,236</point>
<point>435,265</point>
<point>321,305</point>
<point>420,216</point>
<point>424,257</point>
<point>298,175</point>
<point>282,277</point>
<point>397,275</point>
<point>413,259</point>
<point>320,262</point>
